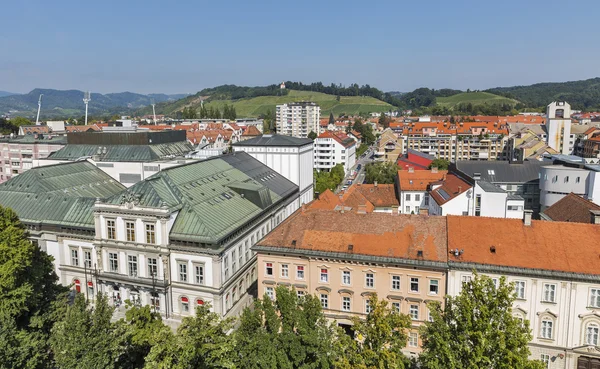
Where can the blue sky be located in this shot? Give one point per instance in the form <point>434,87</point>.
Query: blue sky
<point>184,46</point>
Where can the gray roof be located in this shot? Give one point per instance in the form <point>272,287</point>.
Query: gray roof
<point>488,187</point>
<point>124,153</point>
<point>502,171</point>
<point>275,140</point>
<point>512,196</point>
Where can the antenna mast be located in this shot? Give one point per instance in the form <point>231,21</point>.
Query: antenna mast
<point>87,97</point>
<point>153,111</point>
<point>37,119</point>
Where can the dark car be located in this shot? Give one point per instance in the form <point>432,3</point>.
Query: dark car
<point>358,166</point>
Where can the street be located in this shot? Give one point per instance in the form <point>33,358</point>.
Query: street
<point>360,177</point>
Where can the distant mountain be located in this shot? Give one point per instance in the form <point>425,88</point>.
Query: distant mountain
<point>6,93</point>
<point>69,103</point>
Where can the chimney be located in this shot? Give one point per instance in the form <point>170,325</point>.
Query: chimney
<point>459,189</point>
<point>411,169</point>
<point>434,169</point>
<point>527,217</point>
<point>595,216</point>
<point>375,183</point>
<point>362,209</point>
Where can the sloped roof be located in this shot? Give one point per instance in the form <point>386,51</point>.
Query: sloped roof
<point>62,194</point>
<point>381,195</point>
<point>275,140</point>
<point>571,208</point>
<point>451,187</point>
<point>544,245</point>
<point>121,153</point>
<point>502,171</point>
<point>419,180</point>
<point>214,197</point>
<point>340,137</point>
<point>374,234</point>
<point>251,131</point>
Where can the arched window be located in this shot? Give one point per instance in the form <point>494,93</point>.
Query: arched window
<point>591,334</point>
<point>546,328</point>
<point>185,305</point>
<point>90,286</point>
<point>199,302</point>
<point>77,284</point>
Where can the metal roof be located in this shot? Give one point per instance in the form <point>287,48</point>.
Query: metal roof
<point>30,139</point>
<point>62,194</point>
<point>489,187</point>
<point>213,197</point>
<point>502,171</point>
<point>275,140</point>
<point>120,153</point>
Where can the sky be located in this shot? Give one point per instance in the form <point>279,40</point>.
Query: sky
<point>183,46</point>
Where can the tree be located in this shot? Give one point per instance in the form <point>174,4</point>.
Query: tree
<point>28,291</point>
<point>441,164</point>
<point>338,98</point>
<point>19,121</point>
<point>476,329</point>
<point>85,337</point>
<point>382,173</point>
<point>380,338</point>
<point>189,113</point>
<point>201,342</point>
<point>384,120</point>
<point>290,332</point>
<point>312,135</point>
<point>331,119</point>
<point>337,172</point>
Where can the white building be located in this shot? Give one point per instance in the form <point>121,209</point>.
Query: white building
<point>291,157</point>
<point>559,296</point>
<point>558,124</point>
<point>298,119</point>
<point>332,148</point>
<point>413,186</point>
<point>127,157</point>
<point>178,239</point>
<point>564,177</point>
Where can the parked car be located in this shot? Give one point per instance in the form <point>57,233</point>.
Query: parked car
<point>358,167</point>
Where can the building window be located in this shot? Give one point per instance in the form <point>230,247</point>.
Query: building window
<point>150,234</point>
<point>300,272</point>
<point>591,334</point>
<point>396,307</point>
<point>417,197</point>
<point>426,199</point>
<point>429,316</point>
<point>396,282</point>
<point>368,308</point>
<point>324,301</point>
<point>577,180</point>
<point>226,266</point>
<point>413,339</point>
<point>466,279</point>
<point>269,269</point>
<point>74,257</point>
<point>182,272</point>
<point>199,273</point>
<point>199,302</point>
<point>299,293</point>
<point>370,280</point>
<point>566,179</point>
<point>546,329</point>
<point>247,250</point>
<point>87,259</point>
<point>414,284</point>
<point>111,231</point>
<point>407,209</point>
<point>284,270</point>
<point>434,287</point>
<point>185,305</point>
<point>346,277</point>
<point>227,302</point>
<point>152,267</point>
<point>595,297</point>
<point>545,359</point>
<point>407,197</point>
<point>77,284</point>
<point>130,231</point>
<point>233,261</point>
<point>270,292</point>
<point>113,262</point>
<point>549,292</point>
<point>324,276</point>
<point>132,264</point>
<point>240,256</point>
<point>520,289</point>
<point>346,303</point>
<point>414,312</point>
<point>234,294</point>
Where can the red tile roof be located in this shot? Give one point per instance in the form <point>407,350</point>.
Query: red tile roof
<point>381,195</point>
<point>342,138</point>
<point>419,180</point>
<point>374,234</point>
<point>571,208</point>
<point>251,131</point>
<point>451,187</point>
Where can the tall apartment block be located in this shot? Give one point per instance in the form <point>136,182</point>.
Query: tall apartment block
<point>298,119</point>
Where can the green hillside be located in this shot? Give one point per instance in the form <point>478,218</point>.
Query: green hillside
<point>253,107</point>
<point>474,98</point>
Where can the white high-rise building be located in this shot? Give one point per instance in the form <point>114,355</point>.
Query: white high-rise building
<point>559,136</point>
<point>298,119</point>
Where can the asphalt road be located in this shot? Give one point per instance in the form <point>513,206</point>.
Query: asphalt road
<point>360,177</point>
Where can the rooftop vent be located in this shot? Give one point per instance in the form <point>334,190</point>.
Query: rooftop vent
<point>350,247</point>
<point>493,249</point>
<point>420,253</point>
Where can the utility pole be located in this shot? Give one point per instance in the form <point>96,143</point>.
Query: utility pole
<point>86,99</point>
<point>37,119</point>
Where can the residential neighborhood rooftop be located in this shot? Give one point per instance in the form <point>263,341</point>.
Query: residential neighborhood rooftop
<point>275,140</point>
<point>571,208</point>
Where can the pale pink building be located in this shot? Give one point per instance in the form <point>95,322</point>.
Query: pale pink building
<point>17,154</point>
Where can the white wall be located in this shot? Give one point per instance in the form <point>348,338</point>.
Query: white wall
<point>557,181</point>
<point>413,203</point>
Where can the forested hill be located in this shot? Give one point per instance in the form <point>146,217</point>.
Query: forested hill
<point>582,95</point>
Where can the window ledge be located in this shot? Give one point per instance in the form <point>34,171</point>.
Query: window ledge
<point>548,302</point>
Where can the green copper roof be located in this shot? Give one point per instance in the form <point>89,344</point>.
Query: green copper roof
<point>214,197</point>
<point>61,194</point>
<point>117,153</point>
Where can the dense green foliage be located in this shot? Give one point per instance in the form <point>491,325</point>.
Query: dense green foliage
<point>329,180</point>
<point>584,95</point>
<point>8,126</point>
<point>312,135</point>
<point>381,172</point>
<point>366,131</point>
<point>476,329</point>
<point>441,164</point>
